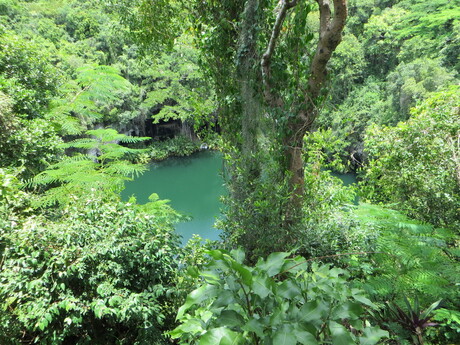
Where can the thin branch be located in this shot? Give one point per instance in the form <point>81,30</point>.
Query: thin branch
<point>86,88</point>
<point>334,256</point>
<point>248,304</point>
<point>266,58</point>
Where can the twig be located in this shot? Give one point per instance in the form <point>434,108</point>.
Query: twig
<point>333,256</point>
<point>266,58</point>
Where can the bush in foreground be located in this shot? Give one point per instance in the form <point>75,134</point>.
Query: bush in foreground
<point>100,273</point>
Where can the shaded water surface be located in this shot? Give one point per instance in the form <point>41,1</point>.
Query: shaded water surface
<point>194,186</point>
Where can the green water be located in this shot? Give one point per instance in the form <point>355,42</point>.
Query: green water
<point>192,184</point>
<point>347,178</point>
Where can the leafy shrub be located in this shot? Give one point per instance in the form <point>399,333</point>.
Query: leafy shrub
<point>416,165</point>
<point>411,259</point>
<point>31,145</point>
<point>27,74</point>
<point>176,147</point>
<point>99,273</point>
<point>275,302</point>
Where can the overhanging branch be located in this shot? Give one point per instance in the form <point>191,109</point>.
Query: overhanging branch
<point>267,57</point>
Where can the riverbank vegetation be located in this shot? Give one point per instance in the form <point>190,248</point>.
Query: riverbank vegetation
<point>290,91</point>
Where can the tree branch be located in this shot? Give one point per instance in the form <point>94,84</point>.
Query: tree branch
<point>329,38</point>
<point>266,58</point>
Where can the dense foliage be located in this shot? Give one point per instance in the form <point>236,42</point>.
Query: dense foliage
<point>85,88</point>
<point>408,258</point>
<point>416,164</point>
<point>99,273</point>
<point>278,301</point>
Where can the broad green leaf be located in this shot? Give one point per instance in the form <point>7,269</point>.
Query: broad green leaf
<point>295,265</point>
<point>288,289</point>
<point>244,273</point>
<point>238,255</point>
<point>340,335</point>
<point>357,295</point>
<point>347,309</point>
<point>314,310</point>
<point>255,325</point>
<point>285,336</point>
<point>273,264</point>
<point>224,299</point>
<point>372,335</point>
<point>230,318</point>
<point>305,338</point>
<point>211,277</point>
<point>215,254</point>
<point>261,286</point>
<point>234,340</point>
<point>197,296</point>
<point>219,336</point>
<point>192,326</point>
<point>193,271</point>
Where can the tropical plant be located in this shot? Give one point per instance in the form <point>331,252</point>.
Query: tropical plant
<point>416,165</point>
<point>94,88</point>
<point>411,318</point>
<point>98,272</point>
<point>102,169</point>
<point>407,258</point>
<point>413,258</point>
<point>278,301</point>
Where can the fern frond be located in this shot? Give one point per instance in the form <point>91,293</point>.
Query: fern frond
<point>126,169</point>
<point>73,176</point>
<point>418,259</point>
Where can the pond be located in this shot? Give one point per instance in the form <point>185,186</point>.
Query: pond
<point>193,185</point>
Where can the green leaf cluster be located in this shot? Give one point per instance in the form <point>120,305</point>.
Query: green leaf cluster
<point>101,170</point>
<point>98,272</point>
<point>416,164</point>
<point>277,301</point>
<point>409,260</point>
<point>95,88</point>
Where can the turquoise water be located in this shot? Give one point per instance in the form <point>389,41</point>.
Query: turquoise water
<point>347,178</point>
<point>192,184</point>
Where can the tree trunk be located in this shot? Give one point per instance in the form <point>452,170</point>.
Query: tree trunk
<point>251,106</point>
<point>330,35</point>
<point>294,165</point>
